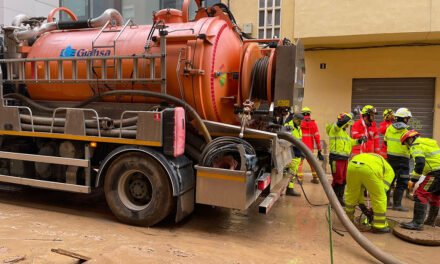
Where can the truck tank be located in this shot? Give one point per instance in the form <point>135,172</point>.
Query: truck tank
<point>203,57</point>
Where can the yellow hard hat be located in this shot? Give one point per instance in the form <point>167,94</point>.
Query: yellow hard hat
<point>306,110</point>
<point>388,112</point>
<point>368,109</point>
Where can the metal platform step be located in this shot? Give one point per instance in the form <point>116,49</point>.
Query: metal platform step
<point>46,184</point>
<point>44,159</point>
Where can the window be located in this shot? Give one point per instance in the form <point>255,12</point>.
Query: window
<point>85,9</point>
<point>140,11</point>
<point>80,8</point>
<point>269,18</point>
<point>212,2</point>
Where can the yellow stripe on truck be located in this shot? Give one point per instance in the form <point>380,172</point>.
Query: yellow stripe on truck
<point>220,176</point>
<point>82,138</point>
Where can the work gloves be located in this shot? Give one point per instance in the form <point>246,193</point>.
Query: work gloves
<point>362,140</point>
<point>320,157</point>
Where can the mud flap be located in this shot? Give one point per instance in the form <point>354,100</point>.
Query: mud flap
<point>185,205</point>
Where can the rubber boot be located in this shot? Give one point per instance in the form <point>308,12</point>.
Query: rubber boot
<point>290,191</point>
<point>380,230</point>
<point>397,201</point>
<point>339,191</point>
<point>432,216</point>
<point>389,201</point>
<point>418,218</point>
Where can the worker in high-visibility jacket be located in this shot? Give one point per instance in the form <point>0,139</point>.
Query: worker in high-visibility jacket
<point>398,156</point>
<point>311,138</point>
<point>388,119</point>
<point>366,126</point>
<point>293,124</point>
<point>372,172</point>
<point>426,155</point>
<point>340,150</point>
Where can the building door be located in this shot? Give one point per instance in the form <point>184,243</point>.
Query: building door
<point>417,94</point>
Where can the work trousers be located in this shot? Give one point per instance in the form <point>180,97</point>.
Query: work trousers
<point>293,169</point>
<point>339,171</point>
<point>400,166</point>
<point>360,177</point>
<point>429,191</point>
<point>301,173</point>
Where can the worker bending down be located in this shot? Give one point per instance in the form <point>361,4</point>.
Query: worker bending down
<point>293,124</point>
<point>426,155</point>
<point>372,172</point>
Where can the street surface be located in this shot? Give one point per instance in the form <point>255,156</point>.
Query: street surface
<point>33,221</point>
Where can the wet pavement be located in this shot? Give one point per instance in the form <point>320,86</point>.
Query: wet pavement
<point>32,222</point>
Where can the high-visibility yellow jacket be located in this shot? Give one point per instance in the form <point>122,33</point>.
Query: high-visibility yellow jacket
<point>340,141</point>
<point>378,165</point>
<point>426,153</point>
<point>296,130</point>
<point>392,139</point>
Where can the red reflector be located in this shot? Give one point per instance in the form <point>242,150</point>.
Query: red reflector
<point>263,183</point>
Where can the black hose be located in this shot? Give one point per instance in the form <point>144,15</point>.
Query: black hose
<point>223,146</point>
<point>191,111</point>
<point>307,198</point>
<point>29,102</point>
<point>259,82</point>
<point>74,24</point>
<point>351,228</point>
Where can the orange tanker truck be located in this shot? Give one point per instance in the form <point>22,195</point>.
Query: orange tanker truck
<point>161,116</point>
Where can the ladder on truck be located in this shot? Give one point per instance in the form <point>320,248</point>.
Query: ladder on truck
<point>38,70</point>
<point>107,28</point>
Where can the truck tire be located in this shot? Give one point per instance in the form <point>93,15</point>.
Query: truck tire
<point>138,190</point>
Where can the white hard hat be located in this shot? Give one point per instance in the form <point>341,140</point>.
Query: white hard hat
<point>403,112</point>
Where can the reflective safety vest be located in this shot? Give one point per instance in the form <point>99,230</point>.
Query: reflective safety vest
<point>394,146</point>
<point>340,141</point>
<point>426,148</point>
<point>383,129</point>
<point>296,130</point>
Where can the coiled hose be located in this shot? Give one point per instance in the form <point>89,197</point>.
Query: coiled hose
<point>223,146</point>
<point>188,108</point>
<point>352,230</point>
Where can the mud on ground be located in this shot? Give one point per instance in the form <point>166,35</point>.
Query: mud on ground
<point>33,221</point>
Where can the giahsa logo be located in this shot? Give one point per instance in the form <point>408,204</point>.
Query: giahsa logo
<point>71,52</point>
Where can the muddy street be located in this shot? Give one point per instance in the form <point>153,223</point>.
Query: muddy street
<point>33,221</point>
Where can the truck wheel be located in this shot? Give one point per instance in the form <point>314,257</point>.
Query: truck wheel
<point>138,190</point>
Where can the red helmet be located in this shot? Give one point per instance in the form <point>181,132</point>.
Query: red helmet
<point>409,134</point>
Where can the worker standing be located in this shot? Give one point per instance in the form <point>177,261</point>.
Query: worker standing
<point>340,149</point>
<point>371,172</point>
<point>388,119</point>
<point>398,156</point>
<point>366,126</point>
<point>311,138</point>
<point>426,155</point>
<point>293,124</point>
